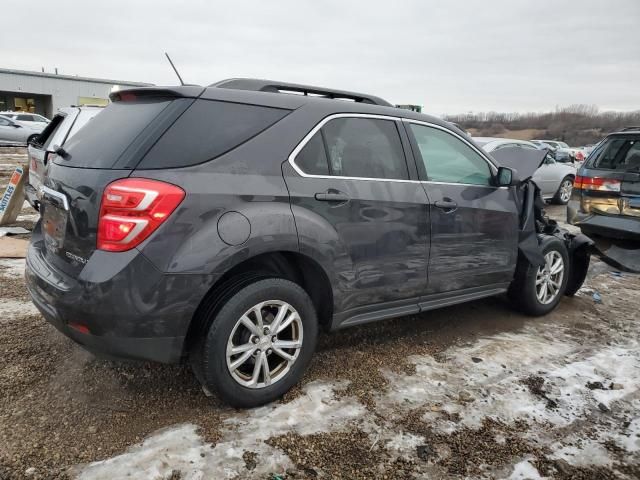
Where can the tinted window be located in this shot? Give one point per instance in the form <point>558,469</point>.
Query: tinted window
<point>24,118</point>
<point>207,130</point>
<point>448,159</point>
<point>82,119</point>
<point>365,148</point>
<point>617,154</point>
<point>103,140</point>
<point>312,159</point>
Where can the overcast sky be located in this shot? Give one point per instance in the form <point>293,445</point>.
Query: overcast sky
<point>450,57</point>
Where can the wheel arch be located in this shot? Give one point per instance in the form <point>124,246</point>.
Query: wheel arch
<point>291,265</point>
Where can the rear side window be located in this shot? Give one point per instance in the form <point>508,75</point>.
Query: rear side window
<point>365,148</point>
<point>105,138</point>
<point>312,159</point>
<point>357,148</point>
<point>618,154</point>
<point>207,130</point>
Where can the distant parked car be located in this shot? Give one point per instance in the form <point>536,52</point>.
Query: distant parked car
<point>554,144</point>
<point>606,199</point>
<point>554,179</point>
<point>13,132</point>
<point>63,126</point>
<point>31,119</point>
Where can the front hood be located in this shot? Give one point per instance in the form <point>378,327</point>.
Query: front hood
<point>525,161</point>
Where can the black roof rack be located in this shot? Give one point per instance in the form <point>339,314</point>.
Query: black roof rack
<point>257,85</point>
<point>626,129</point>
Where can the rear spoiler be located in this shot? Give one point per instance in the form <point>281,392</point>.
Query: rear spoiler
<point>187,91</point>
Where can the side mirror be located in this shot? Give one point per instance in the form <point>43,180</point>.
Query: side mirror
<point>15,125</point>
<point>505,177</point>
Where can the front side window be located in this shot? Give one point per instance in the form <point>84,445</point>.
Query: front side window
<point>448,159</point>
<point>355,147</point>
<point>25,118</point>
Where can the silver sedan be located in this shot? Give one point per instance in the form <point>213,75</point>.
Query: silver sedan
<point>554,179</point>
<point>14,132</point>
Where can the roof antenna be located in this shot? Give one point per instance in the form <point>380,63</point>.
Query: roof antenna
<point>174,68</point>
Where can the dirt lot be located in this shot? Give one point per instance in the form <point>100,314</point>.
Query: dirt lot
<point>471,391</point>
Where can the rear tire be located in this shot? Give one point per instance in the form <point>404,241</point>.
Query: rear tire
<point>563,195</point>
<point>268,363</point>
<point>535,290</point>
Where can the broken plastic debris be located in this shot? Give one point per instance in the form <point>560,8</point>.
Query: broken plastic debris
<point>596,297</point>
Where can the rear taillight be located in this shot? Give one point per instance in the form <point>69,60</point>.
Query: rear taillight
<point>132,209</point>
<point>596,183</point>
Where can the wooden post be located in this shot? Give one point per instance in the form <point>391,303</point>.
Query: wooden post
<point>13,198</point>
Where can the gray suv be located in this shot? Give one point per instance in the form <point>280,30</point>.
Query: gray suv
<point>226,225</point>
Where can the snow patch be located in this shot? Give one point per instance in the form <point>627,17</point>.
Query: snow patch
<point>12,267</point>
<point>13,308</point>
<point>525,471</point>
<point>181,448</point>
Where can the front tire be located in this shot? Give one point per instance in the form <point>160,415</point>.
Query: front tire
<point>259,344</point>
<point>563,195</point>
<point>536,290</point>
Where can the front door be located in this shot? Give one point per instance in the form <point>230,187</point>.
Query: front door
<point>357,208</point>
<point>474,225</point>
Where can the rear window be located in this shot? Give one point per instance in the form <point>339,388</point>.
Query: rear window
<point>106,137</point>
<point>621,154</point>
<point>82,119</point>
<point>207,130</point>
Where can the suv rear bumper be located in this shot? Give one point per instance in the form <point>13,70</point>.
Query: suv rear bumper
<point>137,313</point>
<point>613,226</point>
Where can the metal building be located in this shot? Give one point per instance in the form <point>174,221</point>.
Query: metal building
<point>45,93</point>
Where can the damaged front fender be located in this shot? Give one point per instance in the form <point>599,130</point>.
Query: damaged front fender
<point>579,248</point>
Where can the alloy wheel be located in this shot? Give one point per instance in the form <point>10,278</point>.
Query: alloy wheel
<point>565,190</point>
<point>264,344</point>
<point>549,277</point>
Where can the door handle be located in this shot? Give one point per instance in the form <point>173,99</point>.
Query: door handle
<point>334,197</point>
<point>447,205</point>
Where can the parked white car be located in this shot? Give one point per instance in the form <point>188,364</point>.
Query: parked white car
<point>554,179</point>
<point>13,132</point>
<point>26,118</point>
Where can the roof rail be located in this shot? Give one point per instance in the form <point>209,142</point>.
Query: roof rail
<point>258,85</point>
<point>626,129</point>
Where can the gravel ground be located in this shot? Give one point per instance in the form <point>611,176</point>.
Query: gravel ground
<point>471,391</point>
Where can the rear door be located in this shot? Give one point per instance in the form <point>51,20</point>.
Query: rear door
<point>474,225</point>
<point>354,199</point>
